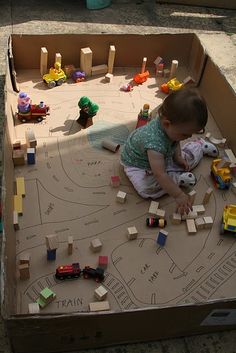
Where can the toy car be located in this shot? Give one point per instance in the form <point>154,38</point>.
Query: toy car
<point>68,271</point>
<point>55,77</point>
<point>37,112</point>
<point>228,219</point>
<point>172,85</point>
<point>221,175</point>
<point>97,274</point>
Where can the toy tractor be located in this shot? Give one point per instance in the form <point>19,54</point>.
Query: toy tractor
<point>55,77</point>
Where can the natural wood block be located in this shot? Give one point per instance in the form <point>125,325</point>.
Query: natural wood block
<point>18,157</point>
<point>24,259</point>
<point>175,218</point>
<point>18,206</point>
<point>100,293</point>
<point>86,57</point>
<point>34,308</point>
<point>99,69</point>
<point>16,220</point>
<point>109,77</point>
<point>166,72</point>
<point>30,138</point>
<point>173,68</point>
<point>24,271</point>
<point>70,244</point>
<point>208,222</point>
<point>190,215</point>
<point>199,222</point>
<point>234,188</point>
<point>153,207</point>
<point>43,61</point>
<point>229,153</point>
<point>16,145</point>
<point>191,226</point>
<point>52,241</point>
<point>58,58</point>
<point>121,197</point>
<point>207,196</point>
<point>132,233</point>
<point>192,194</point>
<point>96,245</point>
<point>160,213</point>
<point>99,306</point>
<point>111,59</point>
<point>199,209</point>
<point>20,186</point>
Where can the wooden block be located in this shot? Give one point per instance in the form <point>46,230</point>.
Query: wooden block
<point>52,241</point>
<point>20,186</point>
<point>58,58</point>
<point>111,59</point>
<point>144,63</point>
<point>96,245</point>
<point>109,77</point>
<point>18,206</point>
<point>24,271</point>
<point>121,197</point>
<point>132,233</point>
<point>24,259</point>
<point>218,142</point>
<point>34,308</point>
<point>230,155</point>
<point>99,306</point>
<point>199,223</point>
<point>162,236</point>
<point>16,220</point>
<point>70,244</point>
<point>173,68</point>
<point>166,72</point>
<point>188,80</point>
<point>103,262</point>
<point>207,196</point>
<point>99,69</point>
<point>16,145</point>
<point>191,226</point>
<point>153,207</point>
<point>208,135</point>
<point>18,157</point>
<point>100,293</point>
<point>175,218</point>
<point>190,215</point>
<point>43,61</point>
<point>115,181</point>
<point>208,222</point>
<point>192,194</point>
<point>86,57</point>
<point>30,138</point>
<point>199,209</point>
<point>31,155</point>
<point>158,60</point>
<point>160,213</point>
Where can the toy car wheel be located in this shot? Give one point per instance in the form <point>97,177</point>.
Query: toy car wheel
<point>60,82</point>
<point>222,229</point>
<point>23,120</point>
<point>39,119</point>
<point>86,276</point>
<point>51,84</point>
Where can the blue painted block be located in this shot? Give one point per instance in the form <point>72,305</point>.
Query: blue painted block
<point>161,238</point>
<point>31,155</point>
<point>51,254</point>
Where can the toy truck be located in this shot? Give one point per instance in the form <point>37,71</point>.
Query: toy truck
<point>221,175</point>
<point>55,77</point>
<point>228,219</point>
<point>36,111</point>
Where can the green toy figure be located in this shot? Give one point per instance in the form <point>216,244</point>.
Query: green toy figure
<point>88,110</point>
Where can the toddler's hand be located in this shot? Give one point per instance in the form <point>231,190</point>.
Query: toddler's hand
<point>183,163</point>
<point>183,203</point>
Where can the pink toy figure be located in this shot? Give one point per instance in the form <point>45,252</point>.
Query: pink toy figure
<point>127,87</point>
<point>24,102</point>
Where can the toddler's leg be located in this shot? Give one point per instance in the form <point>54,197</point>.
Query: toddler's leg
<point>144,182</point>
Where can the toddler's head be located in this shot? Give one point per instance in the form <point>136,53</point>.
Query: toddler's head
<point>183,113</point>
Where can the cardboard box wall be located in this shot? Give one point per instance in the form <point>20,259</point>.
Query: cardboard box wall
<point>225,4</point>
<point>63,332</point>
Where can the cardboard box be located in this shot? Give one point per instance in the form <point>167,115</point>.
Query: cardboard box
<point>225,4</point>
<point>185,288</point>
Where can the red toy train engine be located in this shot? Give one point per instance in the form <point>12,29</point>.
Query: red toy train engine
<point>74,271</point>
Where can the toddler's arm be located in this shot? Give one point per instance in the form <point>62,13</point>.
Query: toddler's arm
<point>179,159</point>
<point>157,163</point>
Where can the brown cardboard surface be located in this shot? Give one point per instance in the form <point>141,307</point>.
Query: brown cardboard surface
<point>225,4</point>
<point>68,192</point>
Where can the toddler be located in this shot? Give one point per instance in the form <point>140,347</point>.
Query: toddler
<point>152,157</point>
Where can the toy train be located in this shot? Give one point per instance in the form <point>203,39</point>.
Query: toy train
<point>74,271</point>
<point>36,111</point>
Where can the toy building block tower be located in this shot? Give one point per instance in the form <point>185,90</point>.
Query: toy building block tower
<point>52,244</point>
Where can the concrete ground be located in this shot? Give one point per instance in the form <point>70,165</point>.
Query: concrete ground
<point>217,31</point>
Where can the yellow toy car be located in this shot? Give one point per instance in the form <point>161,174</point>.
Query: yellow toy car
<point>172,85</point>
<point>228,219</point>
<point>55,77</point>
<point>221,174</point>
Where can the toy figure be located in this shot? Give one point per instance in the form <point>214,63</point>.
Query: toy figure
<point>24,103</point>
<point>143,116</point>
<point>88,110</point>
<point>127,87</point>
<point>78,76</point>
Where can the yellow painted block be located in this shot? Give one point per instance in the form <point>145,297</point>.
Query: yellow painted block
<point>18,207</point>
<point>20,186</point>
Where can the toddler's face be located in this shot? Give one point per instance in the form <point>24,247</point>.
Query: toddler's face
<point>179,132</point>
